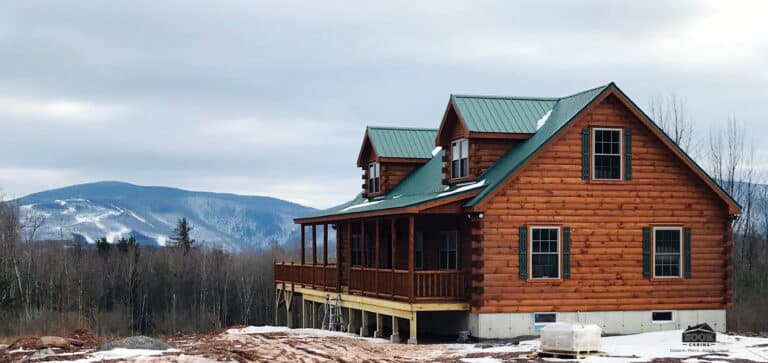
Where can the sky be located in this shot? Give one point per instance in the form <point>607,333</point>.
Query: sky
<point>272,98</point>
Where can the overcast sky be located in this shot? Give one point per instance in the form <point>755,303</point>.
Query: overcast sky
<point>253,97</point>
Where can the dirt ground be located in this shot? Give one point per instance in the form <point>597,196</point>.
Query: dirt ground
<point>276,344</point>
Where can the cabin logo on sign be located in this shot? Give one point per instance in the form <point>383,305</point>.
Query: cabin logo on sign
<point>699,335</point>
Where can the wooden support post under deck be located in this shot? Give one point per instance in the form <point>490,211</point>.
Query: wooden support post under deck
<point>393,233</point>
<point>303,313</point>
<point>414,329</point>
<point>303,242</point>
<point>379,333</point>
<point>395,337</point>
<point>314,315</point>
<point>411,233</point>
<point>351,320</point>
<point>314,244</point>
<point>363,324</point>
<point>376,254</point>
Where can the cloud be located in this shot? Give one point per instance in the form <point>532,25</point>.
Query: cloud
<point>58,110</point>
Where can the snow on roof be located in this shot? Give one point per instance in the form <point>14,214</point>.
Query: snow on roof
<point>543,120</point>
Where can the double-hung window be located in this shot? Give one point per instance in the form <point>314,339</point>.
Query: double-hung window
<point>460,159</point>
<point>666,251</point>
<point>606,158</point>
<point>449,250</point>
<point>545,252</point>
<point>418,251</point>
<point>373,178</point>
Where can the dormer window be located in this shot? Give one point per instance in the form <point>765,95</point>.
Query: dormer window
<point>373,178</point>
<point>460,159</point>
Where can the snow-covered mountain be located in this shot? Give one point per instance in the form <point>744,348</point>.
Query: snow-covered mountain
<point>113,209</point>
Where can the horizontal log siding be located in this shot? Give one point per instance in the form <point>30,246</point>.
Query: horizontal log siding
<point>606,220</point>
<point>393,173</point>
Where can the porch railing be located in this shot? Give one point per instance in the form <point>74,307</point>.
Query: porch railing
<point>315,276</point>
<point>428,285</point>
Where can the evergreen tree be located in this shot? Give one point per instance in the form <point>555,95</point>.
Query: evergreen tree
<point>181,237</point>
<point>103,245</point>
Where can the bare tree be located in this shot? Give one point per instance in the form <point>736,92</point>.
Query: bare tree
<point>32,222</point>
<point>671,114</point>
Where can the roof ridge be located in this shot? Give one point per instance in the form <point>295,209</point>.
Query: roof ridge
<point>521,98</point>
<point>589,90</point>
<point>400,128</point>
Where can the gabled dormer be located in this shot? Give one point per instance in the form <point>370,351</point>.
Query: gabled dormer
<point>388,154</point>
<point>477,130</point>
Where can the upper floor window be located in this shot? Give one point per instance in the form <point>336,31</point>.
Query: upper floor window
<point>606,162</point>
<point>373,177</point>
<point>666,251</point>
<point>449,250</point>
<point>460,159</point>
<point>545,252</point>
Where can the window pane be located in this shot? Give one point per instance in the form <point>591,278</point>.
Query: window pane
<point>464,148</point>
<point>455,169</point>
<point>544,266</point>
<point>464,167</point>
<point>607,167</point>
<point>455,151</point>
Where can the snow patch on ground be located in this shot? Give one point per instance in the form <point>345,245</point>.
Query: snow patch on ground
<point>124,354</point>
<point>481,360</point>
<point>259,330</point>
<point>543,120</point>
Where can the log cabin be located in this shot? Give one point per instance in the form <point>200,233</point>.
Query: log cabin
<point>515,213</point>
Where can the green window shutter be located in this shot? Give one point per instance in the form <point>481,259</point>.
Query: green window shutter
<point>627,154</point>
<point>687,251</point>
<point>585,153</point>
<point>566,252</point>
<point>646,252</point>
<point>523,253</point>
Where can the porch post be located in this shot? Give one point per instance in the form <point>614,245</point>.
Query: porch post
<point>303,242</point>
<point>314,244</point>
<point>393,234</point>
<point>325,255</point>
<point>325,244</point>
<point>347,256</point>
<point>376,254</point>
<point>363,243</point>
<point>411,234</point>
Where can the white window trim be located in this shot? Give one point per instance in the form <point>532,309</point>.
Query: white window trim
<point>377,167</point>
<point>453,157</point>
<point>559,252</point>
<point>671,320</point>
<point>680,258</point>
<point>621,152</point>
<point>456,259</point>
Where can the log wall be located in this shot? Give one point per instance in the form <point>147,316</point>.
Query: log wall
<point>606,220</point>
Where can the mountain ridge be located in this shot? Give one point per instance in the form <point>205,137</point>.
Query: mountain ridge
<point>85,212</point>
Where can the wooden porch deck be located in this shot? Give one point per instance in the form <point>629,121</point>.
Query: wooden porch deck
<point>390,284</point>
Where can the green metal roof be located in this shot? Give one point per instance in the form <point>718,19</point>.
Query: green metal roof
<point>392,142</point>
<point>424,184</point>
<point>502,114</point>
<point>420,186</point>
<point>564,110</point>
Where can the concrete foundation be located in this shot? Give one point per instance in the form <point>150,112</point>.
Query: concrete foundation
<point>508,325</point>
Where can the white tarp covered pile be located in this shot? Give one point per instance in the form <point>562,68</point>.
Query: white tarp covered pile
<point>569,337</point>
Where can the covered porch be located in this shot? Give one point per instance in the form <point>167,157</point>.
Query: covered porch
<point>403,258</point>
